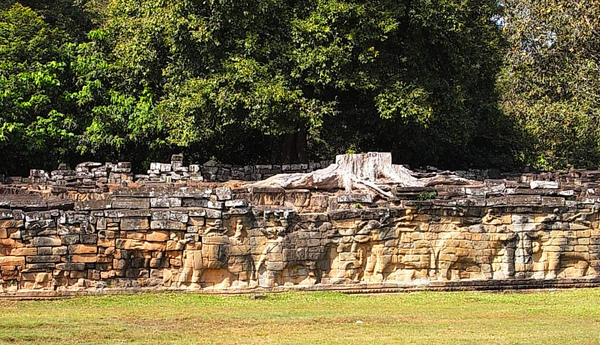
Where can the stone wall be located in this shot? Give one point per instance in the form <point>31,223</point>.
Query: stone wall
<point>232,237</point>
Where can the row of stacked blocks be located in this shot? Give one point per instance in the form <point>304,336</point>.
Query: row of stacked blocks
<point>200,237</point>
<point>95,173</point>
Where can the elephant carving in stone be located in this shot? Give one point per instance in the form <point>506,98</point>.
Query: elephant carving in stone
<point>555,251</point>
<point>475,245</point>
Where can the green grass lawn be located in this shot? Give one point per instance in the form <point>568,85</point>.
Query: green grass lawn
<point>307,318</point>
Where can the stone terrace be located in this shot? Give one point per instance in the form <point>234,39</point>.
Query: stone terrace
<point>100,228</point>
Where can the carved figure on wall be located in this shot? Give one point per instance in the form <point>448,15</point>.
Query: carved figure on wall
<point>192,269</point>
<point>270,264</point>
<point>553,253</point>
<point>239,228</point>
<point>306,252</point>
<point>472,246</point>
<point>413,257</point>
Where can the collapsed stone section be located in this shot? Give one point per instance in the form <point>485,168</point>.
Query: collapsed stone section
<point>204,236</point>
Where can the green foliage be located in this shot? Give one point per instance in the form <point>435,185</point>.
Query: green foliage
<point>245,81</point>
<point>551,81</point>
<point>426,196</point>
<point>35,120</point>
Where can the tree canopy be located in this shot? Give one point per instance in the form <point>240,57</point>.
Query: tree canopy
<point>457,84</point>
<point>551,79</point>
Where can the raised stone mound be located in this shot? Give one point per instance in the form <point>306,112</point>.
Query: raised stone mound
<point>362,223</point>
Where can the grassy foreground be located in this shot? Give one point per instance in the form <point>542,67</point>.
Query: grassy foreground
<point>307,318</point>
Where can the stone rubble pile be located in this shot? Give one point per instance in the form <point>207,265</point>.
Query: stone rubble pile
<point>95,173</point>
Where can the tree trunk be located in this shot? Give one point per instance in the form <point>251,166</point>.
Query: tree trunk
<point>301,143</point>
<point>371,172</point>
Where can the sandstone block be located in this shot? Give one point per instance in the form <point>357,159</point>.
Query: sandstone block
<point>131,203</point>
<point>9,273</point>
<point>134,224</point>
<point>154,246</point>
<point>223,193</point>
<point>196,221</point>
<point>176,262</point>
<point>119,264</point>
<point>179,216</point>
<point>105,243</point>
<point>239,211</point>
<point>83,249</point>
<point>167,225</point>
<point>89,238</point>
<point>63,250</point>
<point>583,233</point>
<point>155,263</point>
<point>23,251</point>
<point>101,223</point>
<point>165,202</point>
<point>46,242</point>
<point>140,236</point>
<point>275,266</point>
<point>11,223</point>
<point>71,266</point>
<point>174,245</point>
<point>45,250</point>
<point>41,266</point>
<point>70,239</point>
<point>77,274</point>
<point>83,258</point>
<point>199,212</point>
<point>576,226</point>
<point>355,198</point>
<point>194,202</point>
<point>128,244</point>
<point>104,275</point>
<point>157,236</point>
<point>12,261</point>
<point>214,214</point>
<point>43,258</point>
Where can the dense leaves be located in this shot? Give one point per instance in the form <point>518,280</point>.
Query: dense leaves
<point>274,80</point>
<point>36,125</point>
<point>551,82</point>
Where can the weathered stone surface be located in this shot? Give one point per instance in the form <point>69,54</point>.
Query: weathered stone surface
<point>157,236</point>
<point>12,261</point>
<point>355,198</point>
<point>23,251</point>
<point>135,224</point>
<point>165,202</point>
<point>130,203</point>
<point>71,266</point>
<point>236,203</point>
<point>167,225</point>
<point>129,244</point>
<point>11,223</point>
<point>188,235</point>
<point>223,193</point>
<point>83,249</point>
<point>46,242</point>
<point>43,258</point>
<point>194,202</point>
<point>84,258</point>
<point>543,184</point>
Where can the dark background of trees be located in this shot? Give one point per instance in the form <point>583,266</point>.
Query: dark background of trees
<point>455,84</point>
